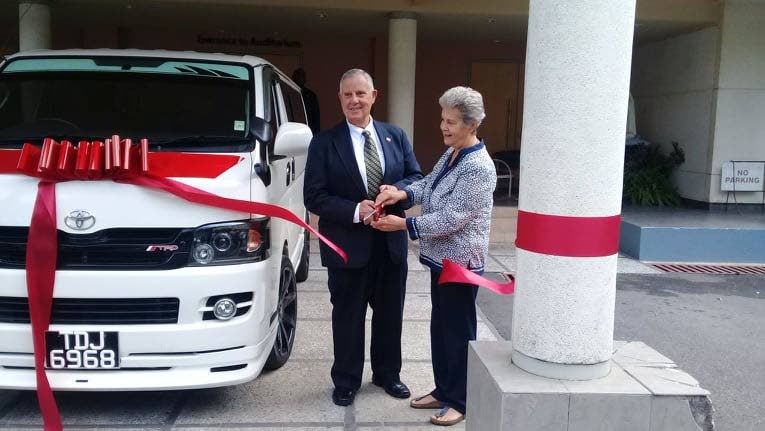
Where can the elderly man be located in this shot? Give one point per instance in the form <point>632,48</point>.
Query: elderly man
<point>346,167</point>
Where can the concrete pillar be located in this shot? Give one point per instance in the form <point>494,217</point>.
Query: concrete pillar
<point>34,25</point>
<point>578,59</point>
<point>739,96</point>
<point>402,61</point>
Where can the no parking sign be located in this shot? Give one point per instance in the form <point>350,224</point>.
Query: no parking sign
<point>743,176</point>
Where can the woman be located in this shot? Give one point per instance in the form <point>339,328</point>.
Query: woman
<point>456,201</point>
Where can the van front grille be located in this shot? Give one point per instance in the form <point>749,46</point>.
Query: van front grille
<point>109,249</point>
<point>96,311</point>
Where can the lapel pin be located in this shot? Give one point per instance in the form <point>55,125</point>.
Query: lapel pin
<point>387,138</point>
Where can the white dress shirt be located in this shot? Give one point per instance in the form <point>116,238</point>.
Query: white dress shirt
<point>357,140</point>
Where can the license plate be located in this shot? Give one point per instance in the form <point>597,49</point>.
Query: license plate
<point>80,350</point>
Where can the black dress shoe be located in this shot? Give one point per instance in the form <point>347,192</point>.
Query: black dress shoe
<point>394,388</point>
<point>343,397</point>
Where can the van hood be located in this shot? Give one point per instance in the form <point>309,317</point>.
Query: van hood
<point>125,205</point>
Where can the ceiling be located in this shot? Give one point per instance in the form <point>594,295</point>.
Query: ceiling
<point>444,19</point>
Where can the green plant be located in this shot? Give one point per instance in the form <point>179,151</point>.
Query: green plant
<point>646,175</point>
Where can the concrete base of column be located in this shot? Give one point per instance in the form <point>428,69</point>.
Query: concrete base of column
<point>644,391</point>
<point>560,371</point>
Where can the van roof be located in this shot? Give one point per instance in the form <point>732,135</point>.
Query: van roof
<point>150,53</point>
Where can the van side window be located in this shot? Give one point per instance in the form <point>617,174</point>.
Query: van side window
<point>279,105</point>
<point>287,101</point>
<point>295,107</point>
<point>273,120</point>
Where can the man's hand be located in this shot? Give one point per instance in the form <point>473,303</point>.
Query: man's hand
<point>366,207</point>
<point>389,195</point>
<point>389,223</point>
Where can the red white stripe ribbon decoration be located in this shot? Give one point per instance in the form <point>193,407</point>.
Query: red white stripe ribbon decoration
<point>123,162</point>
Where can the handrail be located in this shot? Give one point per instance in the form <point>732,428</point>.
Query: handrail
<point>509,175</point>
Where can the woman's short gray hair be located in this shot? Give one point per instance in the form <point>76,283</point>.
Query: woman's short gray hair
<point>467,101</point>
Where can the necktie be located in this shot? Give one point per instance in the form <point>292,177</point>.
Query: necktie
<point>372,160</point>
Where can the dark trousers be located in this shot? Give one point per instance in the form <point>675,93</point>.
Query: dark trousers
<point>452,325</point>
<point>382,285</point>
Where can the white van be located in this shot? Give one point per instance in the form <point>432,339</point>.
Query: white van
<point>151,291</point>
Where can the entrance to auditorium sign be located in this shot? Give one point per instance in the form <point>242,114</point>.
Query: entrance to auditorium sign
<point>501,85</point>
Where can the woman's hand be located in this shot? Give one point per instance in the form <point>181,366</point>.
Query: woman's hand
<point>389,195</point>
<point>390,223</point>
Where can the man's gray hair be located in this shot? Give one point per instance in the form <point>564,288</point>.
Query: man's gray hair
<point>353,72</point>
<point>467,101</point>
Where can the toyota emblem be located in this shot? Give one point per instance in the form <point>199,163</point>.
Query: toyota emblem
<point>80,220</point>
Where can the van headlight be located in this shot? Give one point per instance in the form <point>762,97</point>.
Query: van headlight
<point>230,243</point>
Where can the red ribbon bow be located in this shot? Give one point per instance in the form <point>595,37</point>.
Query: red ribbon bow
<point>123,162</point>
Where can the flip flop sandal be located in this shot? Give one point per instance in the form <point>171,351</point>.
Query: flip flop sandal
<point>439,420</point>
<point>415,403</point>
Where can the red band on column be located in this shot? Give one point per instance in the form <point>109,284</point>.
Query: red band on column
<point>568,236</point>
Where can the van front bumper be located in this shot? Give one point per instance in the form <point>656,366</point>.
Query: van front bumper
<point>192,353</point>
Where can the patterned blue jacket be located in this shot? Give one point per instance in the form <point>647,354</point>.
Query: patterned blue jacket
<point>456,209</point>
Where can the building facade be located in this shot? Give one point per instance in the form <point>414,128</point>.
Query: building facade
<point>698,66</point>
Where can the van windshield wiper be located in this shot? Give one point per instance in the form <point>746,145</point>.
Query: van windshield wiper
<point>198,140</point>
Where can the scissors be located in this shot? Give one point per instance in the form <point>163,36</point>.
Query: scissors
<point>376,213</point>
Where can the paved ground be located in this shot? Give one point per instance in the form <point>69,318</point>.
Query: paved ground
<point>296,396</point>
<point>717,340</point>
<point>713,327</point>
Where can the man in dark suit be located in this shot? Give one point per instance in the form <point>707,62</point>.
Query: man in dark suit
<point>345,168</point>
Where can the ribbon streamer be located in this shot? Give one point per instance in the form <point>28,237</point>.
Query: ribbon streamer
<point>121,161</point>
<point>202,197</point>
<point>42,249</point>
<point>454,273</point>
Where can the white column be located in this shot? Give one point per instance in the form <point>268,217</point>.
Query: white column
<point>402,61</point>
<point>578,60</point>
<point>34,25</point>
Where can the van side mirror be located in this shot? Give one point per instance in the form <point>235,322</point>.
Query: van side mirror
<point>292,140</point>
<point>261,129</point>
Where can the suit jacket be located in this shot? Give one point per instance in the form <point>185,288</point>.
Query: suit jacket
<point>333,187</point>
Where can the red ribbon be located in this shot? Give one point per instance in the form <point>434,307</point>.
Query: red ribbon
<point>552,235</point>
<point>454,273</point>
<point>112,159</point>
<point>568,236</point>
<point>123,162</point>
<point>41,249</point>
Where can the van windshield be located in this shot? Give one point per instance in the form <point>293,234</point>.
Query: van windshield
<point>203,107</point>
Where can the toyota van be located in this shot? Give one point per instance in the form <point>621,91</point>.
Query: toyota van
<point>153,292</point>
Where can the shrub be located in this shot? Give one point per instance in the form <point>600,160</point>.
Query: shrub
<point>646,175</point>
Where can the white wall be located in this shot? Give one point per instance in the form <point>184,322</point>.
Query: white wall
<point>673,84</point>
<point>740,115</point>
